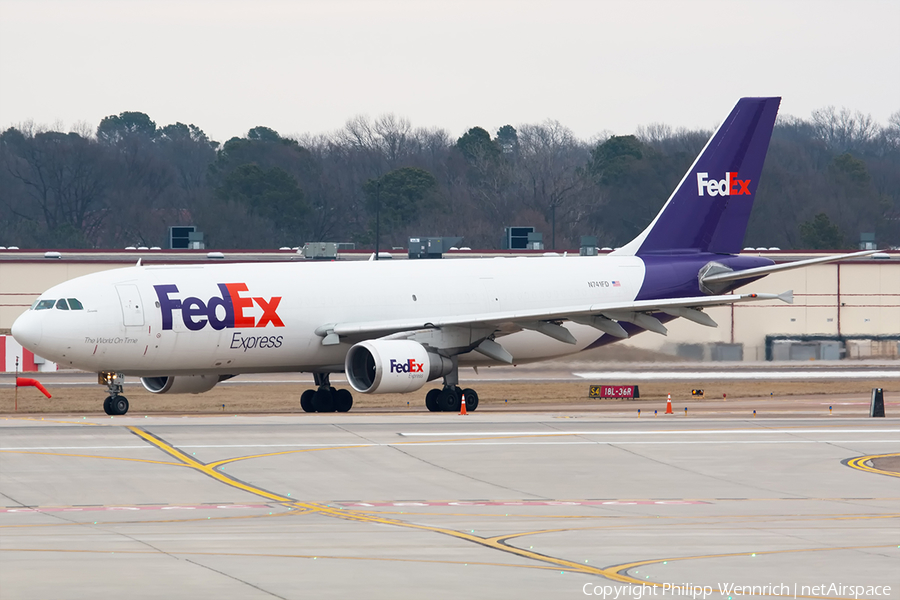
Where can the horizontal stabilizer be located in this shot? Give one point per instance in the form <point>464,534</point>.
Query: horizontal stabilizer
<point>760,271</point>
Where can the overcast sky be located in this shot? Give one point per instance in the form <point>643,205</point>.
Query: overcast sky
<point>307,66</point>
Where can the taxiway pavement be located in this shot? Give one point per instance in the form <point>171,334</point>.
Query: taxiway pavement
<point>491,505</point>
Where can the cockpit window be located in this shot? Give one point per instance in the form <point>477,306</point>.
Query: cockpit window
<point>75,304</point>
<point>61,304</point>
<point>44,304</point>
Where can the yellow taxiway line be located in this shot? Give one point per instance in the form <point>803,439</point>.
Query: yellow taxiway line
<point>615,573</point>
<point>860,463</point>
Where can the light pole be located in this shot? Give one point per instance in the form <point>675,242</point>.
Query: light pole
<point>553,230</point>
<point>377,216</point>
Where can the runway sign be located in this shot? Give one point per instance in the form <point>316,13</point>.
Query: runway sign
<point>614,391</point>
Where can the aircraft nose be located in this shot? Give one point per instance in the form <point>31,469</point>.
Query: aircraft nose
<point>27,330</point>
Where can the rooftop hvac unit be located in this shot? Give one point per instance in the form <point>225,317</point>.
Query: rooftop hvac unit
<point>431,247</point>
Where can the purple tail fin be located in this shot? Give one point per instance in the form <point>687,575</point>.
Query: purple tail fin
<point>709,210</point>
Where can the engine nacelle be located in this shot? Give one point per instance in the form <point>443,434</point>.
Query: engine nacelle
<point>386,366</point>
<point>182,384</point>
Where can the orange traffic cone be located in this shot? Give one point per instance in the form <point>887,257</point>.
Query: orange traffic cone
<point>462,406</point>
<point>669,405</point>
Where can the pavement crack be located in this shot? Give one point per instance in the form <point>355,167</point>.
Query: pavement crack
<point>13,499</point>
<point>238,579</point>
<point>698,473</point>
<point>148,544</point>
<point>52,515</point>
<point>353,433</point>
<point>395,447</point>
<point>437,466</point>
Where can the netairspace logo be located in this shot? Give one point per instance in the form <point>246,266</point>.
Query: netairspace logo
<point>731,590</point>
<point>730,186</point>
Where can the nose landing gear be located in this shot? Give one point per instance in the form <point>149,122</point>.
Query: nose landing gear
<point>115,404</point>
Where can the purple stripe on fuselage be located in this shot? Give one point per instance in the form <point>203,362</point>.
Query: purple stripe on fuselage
<point>676,276</point>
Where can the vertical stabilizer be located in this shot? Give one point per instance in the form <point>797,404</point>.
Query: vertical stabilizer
<point>710,208</point>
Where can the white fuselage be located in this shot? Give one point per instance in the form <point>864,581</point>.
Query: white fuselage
<point>122,326</point>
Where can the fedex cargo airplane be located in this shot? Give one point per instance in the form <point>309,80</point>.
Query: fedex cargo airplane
<point>393,326</point>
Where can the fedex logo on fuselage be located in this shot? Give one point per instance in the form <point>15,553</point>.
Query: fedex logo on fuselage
<point>407,366</point>
<point>221,312</point>
<point>730,186</point>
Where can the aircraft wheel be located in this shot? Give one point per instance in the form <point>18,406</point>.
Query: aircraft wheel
<point>448,400</point>
<point>471,399</point>
<point>107,405</point>
<point>343,400</point>
<point>119,405</point>
<point>306,401</point>
<point>323,400</point>
<point>431,402</point>
<point>458,404</point>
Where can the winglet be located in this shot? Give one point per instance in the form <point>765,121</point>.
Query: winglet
<point>787,297</point>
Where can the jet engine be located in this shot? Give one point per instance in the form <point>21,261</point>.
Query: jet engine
<point>386,366</point>
<point>182,384</point>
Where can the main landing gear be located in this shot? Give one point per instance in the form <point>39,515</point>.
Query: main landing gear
<point>325,398</point>
<point>115,404</point>
<point>449,399</point>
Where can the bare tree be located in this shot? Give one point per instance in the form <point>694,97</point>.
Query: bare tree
<point>552,161</point>
<point>843,130</point>
<point>66,177</point>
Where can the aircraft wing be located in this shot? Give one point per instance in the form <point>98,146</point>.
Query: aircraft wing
<point>603,316</point>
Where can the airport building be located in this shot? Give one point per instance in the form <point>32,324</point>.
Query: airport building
<point>848,310</point>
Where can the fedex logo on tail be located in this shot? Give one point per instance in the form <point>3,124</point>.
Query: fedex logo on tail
<point>407,366</point>
<point>730,186</point>
<point>221,312</point>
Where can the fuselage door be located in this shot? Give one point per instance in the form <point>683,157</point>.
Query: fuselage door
<point>132,307</point>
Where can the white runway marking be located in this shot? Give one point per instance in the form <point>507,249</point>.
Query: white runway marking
<point>54,509</point>
<point>512,434</point>
<point>644,432</point>
<point>736,375</point>
<point>646,443</point>
<point>76,447</point>
<point>486,443</point>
